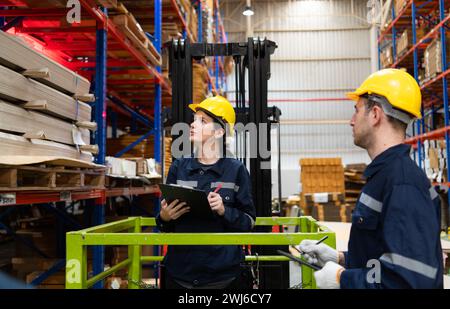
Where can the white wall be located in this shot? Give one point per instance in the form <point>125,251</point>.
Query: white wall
<point>323,52</point>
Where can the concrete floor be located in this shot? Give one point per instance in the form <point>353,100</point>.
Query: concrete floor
<point>342,231</point>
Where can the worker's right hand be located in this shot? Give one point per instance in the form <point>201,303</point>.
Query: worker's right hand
<point>173,210</point>
<point>318,254</point>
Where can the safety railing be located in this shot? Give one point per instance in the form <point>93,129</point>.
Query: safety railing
<point>128,232</point>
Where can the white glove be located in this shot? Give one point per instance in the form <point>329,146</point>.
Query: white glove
<point>329,276</point>
<point>318,254</point>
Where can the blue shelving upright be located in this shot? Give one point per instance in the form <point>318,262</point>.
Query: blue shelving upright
<point>434,95</point>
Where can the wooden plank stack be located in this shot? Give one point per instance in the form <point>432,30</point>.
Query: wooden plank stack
<point>31,122</point>
<point>323,189</point>
<point>133,31</point>
<point>320,175</point>
<point>354,182</point>
<point>17,56</point>
<point>42,115</point>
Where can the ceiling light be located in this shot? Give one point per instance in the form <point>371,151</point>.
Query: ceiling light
<point>248,11</point>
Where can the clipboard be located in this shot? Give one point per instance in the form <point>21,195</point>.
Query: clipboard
<point>197,200</point>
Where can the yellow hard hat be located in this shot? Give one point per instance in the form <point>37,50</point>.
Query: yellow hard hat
<point>397,86</point>
<point>217,107</point>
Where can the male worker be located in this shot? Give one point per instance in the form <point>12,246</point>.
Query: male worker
<point>394,239</point>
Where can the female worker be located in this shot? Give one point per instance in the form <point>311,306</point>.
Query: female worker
<point>208,170</point>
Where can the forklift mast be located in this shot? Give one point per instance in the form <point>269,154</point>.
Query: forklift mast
<point>252,57</point>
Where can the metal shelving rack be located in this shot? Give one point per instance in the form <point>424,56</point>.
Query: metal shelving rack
<point>435,92</point>
<point>99,40</point>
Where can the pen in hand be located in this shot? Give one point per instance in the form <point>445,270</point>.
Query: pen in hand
<point>322,239</point>
<point>318,242</point>
<point>218,188</point>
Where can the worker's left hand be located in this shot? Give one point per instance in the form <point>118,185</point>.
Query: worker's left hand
<point>216,203</point>
<point>329,276</point>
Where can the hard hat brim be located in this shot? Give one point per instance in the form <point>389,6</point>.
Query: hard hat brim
<point>193,106</point>
<point>354,96</point>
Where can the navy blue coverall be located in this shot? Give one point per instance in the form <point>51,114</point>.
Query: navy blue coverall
<point>395,225</point>
<point>202,265</point>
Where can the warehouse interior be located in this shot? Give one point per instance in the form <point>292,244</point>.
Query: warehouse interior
<point>91,91</point>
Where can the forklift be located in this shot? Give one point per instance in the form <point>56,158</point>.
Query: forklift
<point>251,60</point>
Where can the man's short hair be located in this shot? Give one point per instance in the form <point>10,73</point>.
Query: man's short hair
<point>372,101</point>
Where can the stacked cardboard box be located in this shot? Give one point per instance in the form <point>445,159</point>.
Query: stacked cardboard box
<point>399,5</point>
<point>188,10</point>
<point>435,160</point>
<point>193,23</point>
<point>167,155</point>
<point>433,57</point>
<point>387,57</point>
<point>323,189</point>
<point>388,17</point>
<point>200,82</point>
<point>132,167</point>
<point>170,31</point>
<point>404,42</point>
<point>207,24</point>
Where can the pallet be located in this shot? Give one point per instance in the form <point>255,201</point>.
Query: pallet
<point>128,24</point>
<point>43,178</point>
<point>330,212</point>
<point>19,57</point>
<point>336,198</point>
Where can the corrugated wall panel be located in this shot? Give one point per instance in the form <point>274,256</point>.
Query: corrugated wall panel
<point>323,52</point>
<point>319,44</point>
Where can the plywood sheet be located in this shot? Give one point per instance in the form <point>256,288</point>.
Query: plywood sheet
<point>14,86</point>
<point>17,55</point>
<point>13,145</point>
<point>13,118</point>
